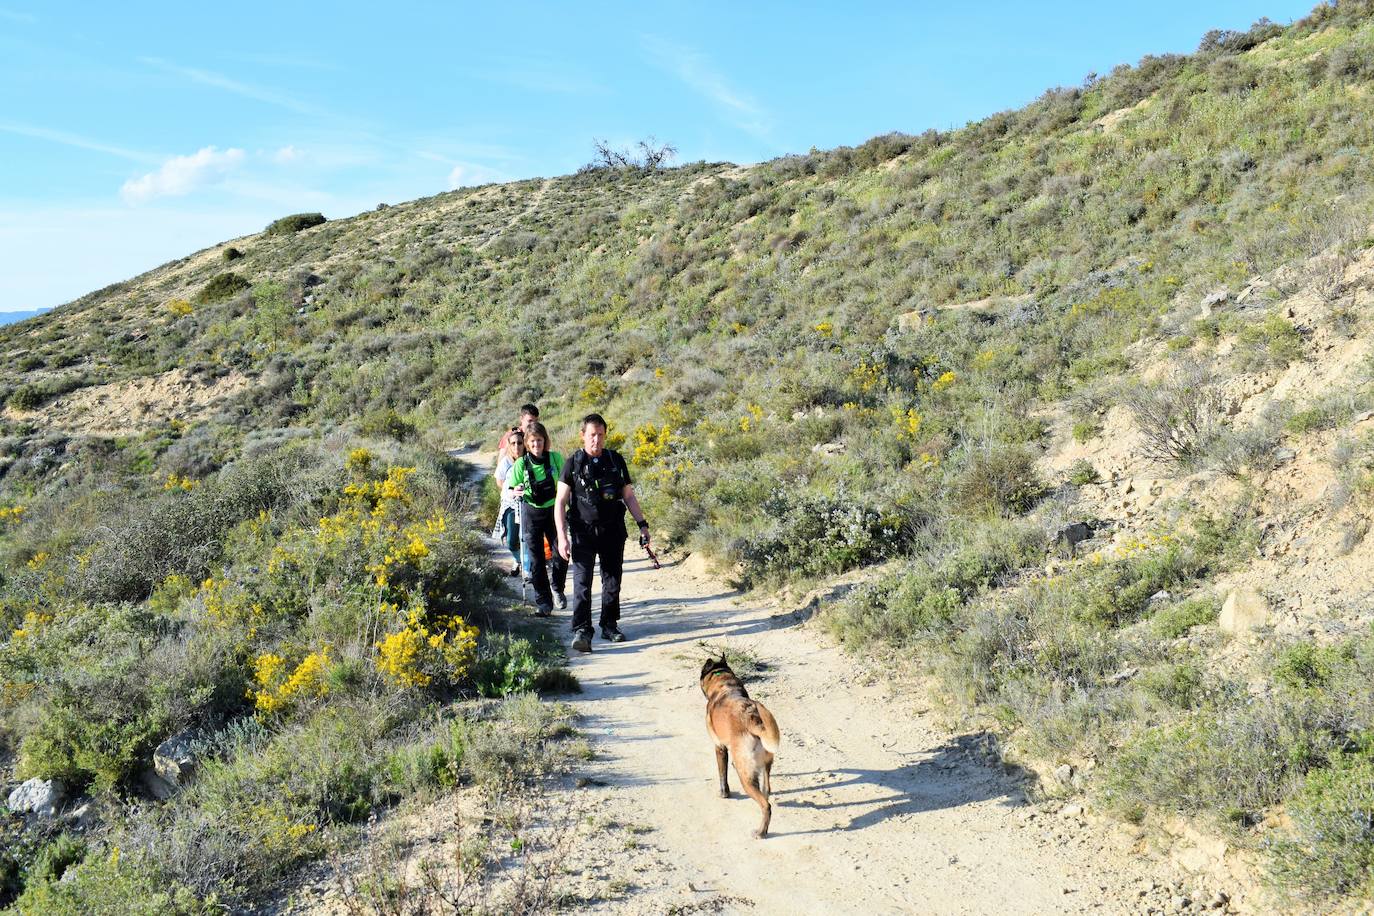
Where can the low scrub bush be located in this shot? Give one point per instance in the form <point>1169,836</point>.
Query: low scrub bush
<point>181,532</point>
<point>1180,417</point>
<point>812,534</point>
<point>1329,853</point>
<point>1003,480</point>
<point>220,287</point>
<point>1175,620</point>
<point>290,225</point>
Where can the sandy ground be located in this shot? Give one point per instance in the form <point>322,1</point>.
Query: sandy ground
<point>877,809</point>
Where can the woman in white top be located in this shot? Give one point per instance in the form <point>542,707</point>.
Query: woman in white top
<point>509,513</point>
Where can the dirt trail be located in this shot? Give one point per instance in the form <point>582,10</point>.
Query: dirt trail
<point>535,200</point>
<point>876,808</point>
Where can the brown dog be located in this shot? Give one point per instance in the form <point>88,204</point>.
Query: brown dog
<point>744,728</point>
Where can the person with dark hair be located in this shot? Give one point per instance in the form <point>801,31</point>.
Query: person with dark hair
<point>529,415</point>
<point>593,493</point>
<point>535,481</point>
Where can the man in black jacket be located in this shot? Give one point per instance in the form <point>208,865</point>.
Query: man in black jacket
<point>593,493</point>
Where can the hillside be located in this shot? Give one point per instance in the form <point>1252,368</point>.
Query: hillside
<point>1078,399</point>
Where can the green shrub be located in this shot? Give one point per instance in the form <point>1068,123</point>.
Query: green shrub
<point>1084,430</point>
<point>1306,665</point>
<point>221,286</point>
<point>387,423</point>
<point>1176,620</point>
<point>1000,480</point>
<point>1082,473</point>
<point>26,397</point>
<point>1272,343</point>
<point>290,225</point>
<point>812,533</point>
<point>1177,685</point>
<point>926,598</point>
<point>109,883</point>
<point>83,744</point>
<point>231,254</point>
<point>181,533</point>
<point>1330,852</point>
<point>504,666</point>
<point>56,856</point>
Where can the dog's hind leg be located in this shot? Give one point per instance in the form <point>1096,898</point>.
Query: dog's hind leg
<point>750,782</point>
<point>722,758</point>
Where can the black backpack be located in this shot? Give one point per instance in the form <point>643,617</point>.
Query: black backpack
<point>600,499</point>
<point>539,491</point>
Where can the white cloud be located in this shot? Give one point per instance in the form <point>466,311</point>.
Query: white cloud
<point>695,70</point>
<point>74,140</point>
<point>181,175</point>
<point>287,154</point>
<point>467,174</point>
<point>248,91</point>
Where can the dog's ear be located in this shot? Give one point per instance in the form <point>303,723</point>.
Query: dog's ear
<point>714,664</point>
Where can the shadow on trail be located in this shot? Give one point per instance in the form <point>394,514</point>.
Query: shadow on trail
<point>949,776</point>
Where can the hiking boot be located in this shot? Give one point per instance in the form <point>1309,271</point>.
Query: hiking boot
<point>543,611</point>
<point>583,641</point>
<point>561,600</point>
<point>612,634</point>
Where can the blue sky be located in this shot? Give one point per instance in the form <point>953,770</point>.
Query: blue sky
<point>134,133</point>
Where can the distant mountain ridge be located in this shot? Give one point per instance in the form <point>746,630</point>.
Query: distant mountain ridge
<point>12,317</point>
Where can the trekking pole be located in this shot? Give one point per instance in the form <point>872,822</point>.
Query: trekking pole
<point>644,542</point>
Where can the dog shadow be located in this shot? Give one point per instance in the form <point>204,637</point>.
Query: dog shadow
<point>950,776</point>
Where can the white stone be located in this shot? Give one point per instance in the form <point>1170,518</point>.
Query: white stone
<point>1245,610</point>
<point>39,796</point>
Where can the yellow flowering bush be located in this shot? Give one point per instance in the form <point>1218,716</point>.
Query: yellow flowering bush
<point>33,624</point>
<point>945,381</point>
<point>274,690</point>
<point>908,423</point>
<point>825,329</point>
<point>178,482</point>
<point>419,652</point>
<point>12,513</point>
<point>280,833</point>
<point>179,308</point>
<point>228,607</point>
<point>652,443</point>
<point>867,376</point>
<point>359,462</point>
<point>593,392</point>
<point>752,419</point>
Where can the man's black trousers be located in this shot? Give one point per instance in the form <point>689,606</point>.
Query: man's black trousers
<point>588,546</point>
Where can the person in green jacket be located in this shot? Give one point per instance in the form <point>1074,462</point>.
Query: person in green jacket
<point>535,480</point>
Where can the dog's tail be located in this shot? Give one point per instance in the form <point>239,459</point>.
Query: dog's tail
<point>763,726</point>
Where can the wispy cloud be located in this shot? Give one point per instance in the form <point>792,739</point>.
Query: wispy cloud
<point>74,140</point>
<point>538,76</point>
<point>695,70</point>
<point>219,81</point>
<point>287,155</point>
<point>181,175</point>
<point>464,172</point>
<point>468,174</point>
<point>17,16</point>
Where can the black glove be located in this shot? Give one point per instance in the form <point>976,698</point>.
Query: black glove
<point>643,534</point>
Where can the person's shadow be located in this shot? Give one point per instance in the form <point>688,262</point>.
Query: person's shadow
<point>949,776</point>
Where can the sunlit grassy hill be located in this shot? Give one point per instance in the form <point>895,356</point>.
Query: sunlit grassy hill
<point>1139,305</point>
